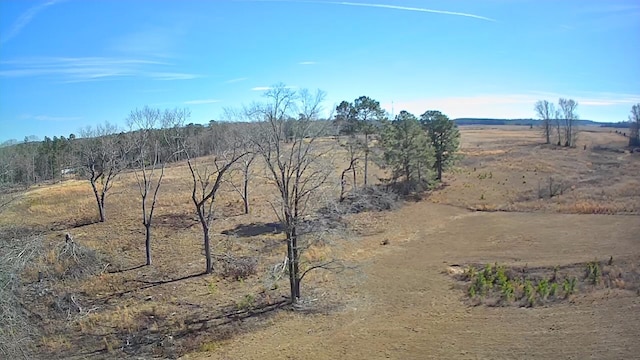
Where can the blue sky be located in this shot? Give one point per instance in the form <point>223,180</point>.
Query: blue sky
<point>66,64</point>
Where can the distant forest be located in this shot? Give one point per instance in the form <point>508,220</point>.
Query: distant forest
<point>534,122</point>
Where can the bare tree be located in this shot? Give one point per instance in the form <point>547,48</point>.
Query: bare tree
<point>244,167</point>
<point>173,134</point>
<point>103,154</point>
<point>354,150</point>
<point>634,126</point>
<point>207,175</point>
<point>546,111</point>
<point>569,116</point>
<point>149,162</point>
<point>297,168</point>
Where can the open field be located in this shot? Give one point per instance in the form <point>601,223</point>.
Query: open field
<point>395,300</point>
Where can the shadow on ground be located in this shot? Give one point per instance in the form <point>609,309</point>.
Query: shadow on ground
<point>254,229</point>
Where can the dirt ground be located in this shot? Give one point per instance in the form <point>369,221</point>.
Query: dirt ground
<point>406,308</point>
<point>395,300</point>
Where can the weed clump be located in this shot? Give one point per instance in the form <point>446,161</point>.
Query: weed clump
<point>495,285</point>
<point>238,267</point>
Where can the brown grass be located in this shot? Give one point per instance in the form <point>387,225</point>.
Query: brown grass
<point>169,309</point>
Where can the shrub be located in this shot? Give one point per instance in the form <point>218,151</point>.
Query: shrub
<point>529,293</point>
<point>544,289</point>
<point>238,268</point>
<point>569,286</point>
<point>593,272</point>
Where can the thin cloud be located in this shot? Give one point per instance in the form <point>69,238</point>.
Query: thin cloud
<point>261,88</point>
<point>504,105</point>
<point>231,81</point>
<point>405,8</point>
<point>82,69</point>
<point>49,118</point>
<point>201,102</point>
<point>266,88</point>
<point>173,76</point>
<point>25,19</point>
<point>307,63</point>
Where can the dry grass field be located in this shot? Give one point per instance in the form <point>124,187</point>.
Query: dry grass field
<point>394,300</point>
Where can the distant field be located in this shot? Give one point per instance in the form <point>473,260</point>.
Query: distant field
<point>395,299</point>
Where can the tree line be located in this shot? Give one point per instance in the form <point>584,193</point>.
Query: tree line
<point>284,132</point>
<point>559,124</point>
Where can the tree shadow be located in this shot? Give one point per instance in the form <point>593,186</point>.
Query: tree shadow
<point>175,221</point>
<point>146,285</point>
<point>254,229</point>
<point>169,341</point>
<point>73,224</point>
<point>127,269</point>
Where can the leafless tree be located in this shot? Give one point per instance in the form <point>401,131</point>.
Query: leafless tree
<point>149,162</point>
<point>546,111</point>
<point>297,167</point>
<point>634,126</point>
<point>569,116</point>
<point>354,150</point>
<point>207,175</point>
<point>173,135</point>
<point>243,167</point>
<point>103,154</point>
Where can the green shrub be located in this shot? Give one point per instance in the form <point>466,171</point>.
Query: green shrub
<point>569,286</point>
<point>554,289</point>
<point>544,289</point>
<point>593,272</point>
<point>529,293</point>
<point>508,290</point>
<point>247,302</point>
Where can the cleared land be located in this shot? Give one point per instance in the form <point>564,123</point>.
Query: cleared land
<point>397,301</point>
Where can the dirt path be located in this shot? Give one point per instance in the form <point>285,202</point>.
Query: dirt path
<point>406,309</point>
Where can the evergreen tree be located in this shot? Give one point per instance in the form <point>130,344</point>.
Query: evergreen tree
<point>407,151</point>
<point>444,138</point>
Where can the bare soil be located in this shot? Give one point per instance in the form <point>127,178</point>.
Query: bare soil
<point>394,299</point>
<point>409,308</point>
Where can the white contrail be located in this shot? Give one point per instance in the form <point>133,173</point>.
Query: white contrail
<point>405,8</point>
<point>25,19</point>
<point>382,6</point>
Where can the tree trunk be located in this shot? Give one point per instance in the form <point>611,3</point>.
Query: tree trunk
<point>292,276</point>
<point>296,269</point>
<point>245,192</point>
<point>547,131</point>
<point>207,250</point>
<point>99,200</point>
<point>439,168</point>
<point>355,180</point>
<point>147,227</point>
<point>207,243</point>
<point>366,158</point>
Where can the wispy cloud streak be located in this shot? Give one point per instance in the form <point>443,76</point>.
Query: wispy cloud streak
<point>201,102</point>
<point>407,8</point>
<point>25,19</point>
<point>307,63</point>
<point>266,88</point>
<point>80,69</point>
<point>384,6</point>
<point>232,81</point>
<point>49,118</point>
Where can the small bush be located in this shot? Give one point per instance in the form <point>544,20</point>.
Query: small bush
<point>238,268</point>
<point>569,286</point>
<point>371,198</point>
<point>593,272</point>
<point>246,303</point>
